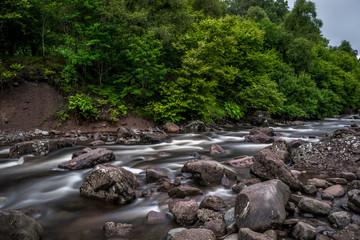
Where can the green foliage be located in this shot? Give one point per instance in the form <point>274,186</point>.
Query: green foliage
<point>84,106</point>
<point>233,110</point>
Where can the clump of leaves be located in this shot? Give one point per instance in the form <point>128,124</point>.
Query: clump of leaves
<point>84,106</point>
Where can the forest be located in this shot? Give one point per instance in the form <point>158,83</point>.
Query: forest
<point>180,60</point>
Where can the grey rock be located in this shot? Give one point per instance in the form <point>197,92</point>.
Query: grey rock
<point>304,231</point>
<point>229,216</point>
<point>216,149</point>
<point>183,191</point>
<point>341,219</point>
<point>341,181</point>
<point>193,127</point>
<point>154,217</point>
<point>248,234</point>
<point>335,191</point>
<point>314,206</point>
<point>319,183</point>
<point>185,211</point>
<point>154,174</point>
<point>241,162</point>
<point>173,231</point>
<point>349,176</point>
<point>310,189</point>
<point>354,185</point>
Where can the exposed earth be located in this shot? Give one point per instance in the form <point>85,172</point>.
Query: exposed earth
<point>33,105</point>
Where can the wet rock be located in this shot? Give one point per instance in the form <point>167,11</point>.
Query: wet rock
<point>171,127</point>
<point>173,231</point>
<point>152,136</point>
<point>341,219</point>
<point>154,174</point>
<point>195,234</point>
<point>326,196</point>
<point>40,147</point>
<point>354,185</point>
<point>296,198</point>
<point>147,136</point>
<point>237,188</point>
<point>269,165</point>
<point>349,176</point>
<point>183,191</point>
<point>335,191</point>
<point>261,118</point>
<point>193,127</point>
<point>217,226</point>
<point>229,216</point>
<point>212,202</point>
<point>112,229</point>
<point>216,149</point>
<point>319,183</point>
<point>233,236</point>
<point>340,181</point>
<point>310,189</point>
<point>290,207</point>
<point>155,218</point>
<point>206,215</point>
<point>352,231</point>
<point>259,131</point>
<point>241,162</point>
<point>354,200</point>
<point>89,159</point>
<point>294,123</point>
<point>251,211</point>
<point>314,206</point>
<point>165,185</point>
<point>110,183</point>
<point>248,234</point>
<point>207,173</point>
<point>297,143</point>
<point>334,154</point>
<point>249,181</point>
<point>259,138</point>
<point>97,143</point>
<point>304,231</point>
<point>15,225</point>
<point>185,211</point>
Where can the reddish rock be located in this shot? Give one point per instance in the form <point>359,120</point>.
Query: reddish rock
<point>335,191</point>
<point>171,127</point>
<point>241,162</point>
<point>183,191</point>
<point>185,211</point>
<point>213,203</point>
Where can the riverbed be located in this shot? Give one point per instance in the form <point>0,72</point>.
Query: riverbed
<point>36,181</point>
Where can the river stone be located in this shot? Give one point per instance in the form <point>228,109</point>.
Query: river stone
<point>241,162</point>
<point>335,191</point>
<point>310,189</point>
<point>195,234</point>
<point>314,206</point>
<point>152,136</point>
<point>252,211</point>
<point>216,149</point>
<point>237,188</point>
<point>340,181</point>
<point>349,176</point>
<point>112,229</point>
<point>259,138</point>
<point>269,165</point>
<point>229,216</point>
<point>261,118</point>
<point>89,159</point>
<point>206,215</point>
<point>319,183</point>
<point>15,225</point>
<point>304,231</point>
<point>155,218</point>
<point>351,231</point>
<point>212,202</point>
<point>110,183</point>
<point>97,143</point>
<point>341,219</point>
<point>207,173</point>
<point>154,174</point>
<point>248,234</point>
<point>174,231</point>
<point>183,191</point>
<point>233,236</point>
<point>184,211</point>
<point>267,131</point>
<point>354,200</point>
<point>40,147</point>
<point>193,127</point>
<point>217,226</point>
<point>171,127</point>
<point>354,185</point>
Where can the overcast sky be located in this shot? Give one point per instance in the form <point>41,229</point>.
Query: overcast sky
<point>341,20</point>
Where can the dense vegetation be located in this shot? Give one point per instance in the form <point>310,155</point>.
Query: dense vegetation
<point>178,60</point>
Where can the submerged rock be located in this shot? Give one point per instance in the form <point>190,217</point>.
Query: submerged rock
<point>110,183</point>
<point>251,211</point>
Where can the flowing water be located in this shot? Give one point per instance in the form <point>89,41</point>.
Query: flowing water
<point>36,181</point>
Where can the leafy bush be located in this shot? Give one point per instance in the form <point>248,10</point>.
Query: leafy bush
<point>83,105</point>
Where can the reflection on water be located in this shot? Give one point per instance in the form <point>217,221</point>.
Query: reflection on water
<point>38,182</point>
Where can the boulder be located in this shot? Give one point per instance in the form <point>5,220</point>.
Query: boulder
<point>89,159</point>
<point>154,174</point>
<point>241,162</point>
<point>334,154</point>
<point>193,127</point>
<point>216,149</point>
<point>259,138</point>
<point>213,203</point>
<point>341,219</point>
<point>314,206</point>
<point>335,191</point>
<point>152,136</point>
<point>171,127</point>
<point>15,225</point>
<point>310,189</point>
<point>281,149</point>
<point>195,234</point>
<point>118,230</point>
<point>207,173</point>
<point>304,231</point>
<point>261,118</point>
<point>206,215</point>
<point>248,234</point>
<point>110,183</point>
<point>155,218</point>
<point>40,147</point>
<point>147,136</point>
<point>254,212</point>
<point>185,211</point>
<point>297,143</point>
<point>259,131</point>
<point>269,164</point>
<point>183,191</point>
<point>349,176</point>
<point>217,226</point>
<point>319,183</point>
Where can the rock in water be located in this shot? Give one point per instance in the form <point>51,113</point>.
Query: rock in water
<point>270,165</point>
<point>110,183</point>
<point>195,234</point>
<point>207,173</point>
<point>262,206</point>
<point>185,211</point>
<point>314,206</point>
<point>14,225</point>
<point>89,159</point>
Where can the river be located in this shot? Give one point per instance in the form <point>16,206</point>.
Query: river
<point>36,181</point>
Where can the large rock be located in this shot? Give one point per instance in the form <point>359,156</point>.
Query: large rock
<point>155,218</point>
<point>351,231</point>
<point>217,226</point>
<point>40,147</point>
<point>354,200</point>
<point>195,234</point>
<point>216,149</point>
<point>135,136</point>
<point>262,206</point>
<point>208,172</point>
<point>304,231</point>
<point>171,127</point>
<point>196,126</point>
<point>269,164</point>
<point>15,225</point>
<point>261,118</point>
<point>110,183</point>
<point>334,154</point>
<point>89,159</point>
<point>185,211</point>
<point>248,234</point>
<point>152,136</point>
<point>259,138</point>
<point>335,191</point>
<point>267,131</point>
<point>314,206</point>
<point>212,202</point>
<point>341,219</point>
